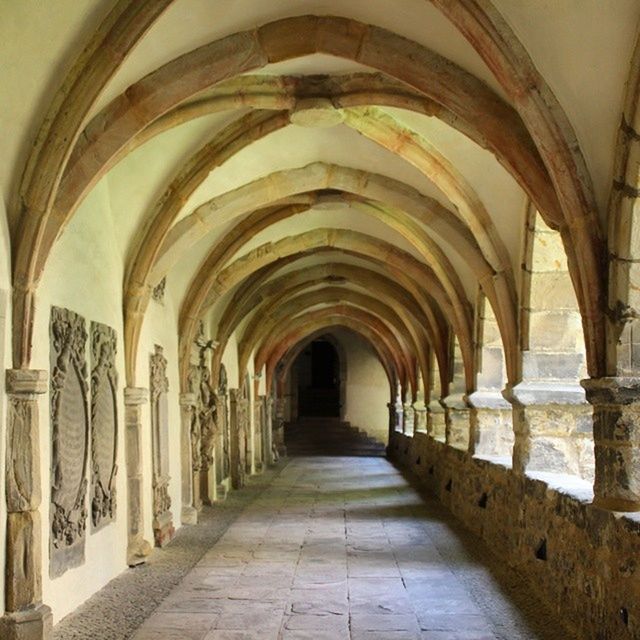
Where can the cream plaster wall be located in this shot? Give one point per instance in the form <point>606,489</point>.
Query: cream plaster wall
<point>38,42</point>
<point>583,50</point>
<point>367,386</point>
<point>83,274</point>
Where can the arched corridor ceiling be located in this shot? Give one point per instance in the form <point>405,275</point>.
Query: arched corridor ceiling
<point>301,158</point>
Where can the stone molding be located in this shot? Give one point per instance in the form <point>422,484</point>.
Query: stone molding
<point>487,399</point>
<point>544,393</point>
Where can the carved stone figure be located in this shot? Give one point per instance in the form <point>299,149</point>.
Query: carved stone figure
<point>163,529</point>
<point>69,440</point>
<point>104,424</point>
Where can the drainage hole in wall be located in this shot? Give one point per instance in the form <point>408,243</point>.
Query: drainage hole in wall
<point>418,461</point>
<point>541,551</point>
<point>431,470</point>
<point>449,485</point>
<point>482,503</point>
<point>624,616</point>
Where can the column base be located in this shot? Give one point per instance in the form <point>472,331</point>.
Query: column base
<point>31,624</point>
<point>616,504</point>
<point>189,515</point>
<point>137,552</point>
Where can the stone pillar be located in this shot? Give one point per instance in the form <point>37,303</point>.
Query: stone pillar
<point>270,455</point>
<point>552,425</point>
<point>491,424</point>
<point>408,419</point>
<point>420,416</point>
<point>457,421</point>
<point>436,423</point>
<point>26,618</point>
<point>137,547</point>
<point>189,479</point>
<point>278,428</point>
<point>258,442</point>
<point>392,419</point>
<point>616,430</point>
<point>237,440</point>
<point>399,415</point>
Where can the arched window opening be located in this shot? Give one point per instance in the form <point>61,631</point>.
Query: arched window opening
<point>552,420</point>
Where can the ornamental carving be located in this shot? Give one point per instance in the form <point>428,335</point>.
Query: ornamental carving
<point>158,291</point>
<point>69,440</point>
<point>159,386</point>
<point>104,424</point>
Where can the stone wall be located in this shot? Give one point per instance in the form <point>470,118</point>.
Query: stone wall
<point>584,559</point>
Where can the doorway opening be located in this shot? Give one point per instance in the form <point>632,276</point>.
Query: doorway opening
<point>318,369</point>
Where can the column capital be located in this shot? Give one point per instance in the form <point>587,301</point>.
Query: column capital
<point>26,381</point>
<point>612,390</point>
<point>455,401</point>
<point>135,395</point>
<point>435,406</point>
<point>543,393</point>
<point>487,399</point>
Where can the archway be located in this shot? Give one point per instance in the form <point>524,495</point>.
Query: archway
<point>317,370</point>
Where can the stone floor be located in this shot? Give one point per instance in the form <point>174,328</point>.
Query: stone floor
<point>344,548</point>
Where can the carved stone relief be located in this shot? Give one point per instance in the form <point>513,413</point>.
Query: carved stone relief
<point>158,291</point>
<point>159,386</point>
<point>104,424</point>
<point>69,440</point>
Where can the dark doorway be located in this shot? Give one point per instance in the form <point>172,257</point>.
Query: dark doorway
<point>319,380</point>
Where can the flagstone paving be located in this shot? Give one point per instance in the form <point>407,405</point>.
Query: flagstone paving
<point>344,548</point>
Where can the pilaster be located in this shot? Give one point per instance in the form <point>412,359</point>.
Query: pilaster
<point>137,547</point>
<point>190,482</point>
<point>436,423</point>
<point>26,618</point>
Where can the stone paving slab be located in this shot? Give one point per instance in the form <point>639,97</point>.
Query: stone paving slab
<point>345,548</point>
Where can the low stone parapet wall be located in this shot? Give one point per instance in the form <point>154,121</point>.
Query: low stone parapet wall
<point>585,560</point>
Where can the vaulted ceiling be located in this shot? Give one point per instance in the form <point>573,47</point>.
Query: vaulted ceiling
<point>367,164</point>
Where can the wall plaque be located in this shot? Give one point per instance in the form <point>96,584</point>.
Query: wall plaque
<point>69,440</point>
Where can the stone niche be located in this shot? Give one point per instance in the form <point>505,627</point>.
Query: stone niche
<point>104,425</point>
<point>163,528</point>
<point>69,440</point>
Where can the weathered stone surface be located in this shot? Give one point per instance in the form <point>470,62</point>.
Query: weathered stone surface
<point>104,424</point>
<point>163,528</point>
<point>585,566</point>
<point>69,440</point>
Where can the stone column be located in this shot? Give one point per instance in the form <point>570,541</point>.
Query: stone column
<point>189,479</point>
<point>268,440</point>
<point>137,547</point>
<point>408,419</point>
<point>420,416</point>
<point>491,424</point>
<point>457,421</point>
<point>552,425</point>
<point>392,419</point>
<point>399,415</point>
<point>616,431</point>
<point>258,442</point>
<point>278,428</point>
<point>26,618</point>
<point>436,423</point>
<point>237,441</point>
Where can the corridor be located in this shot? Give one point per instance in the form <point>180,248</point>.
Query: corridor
<point>342,548</point>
